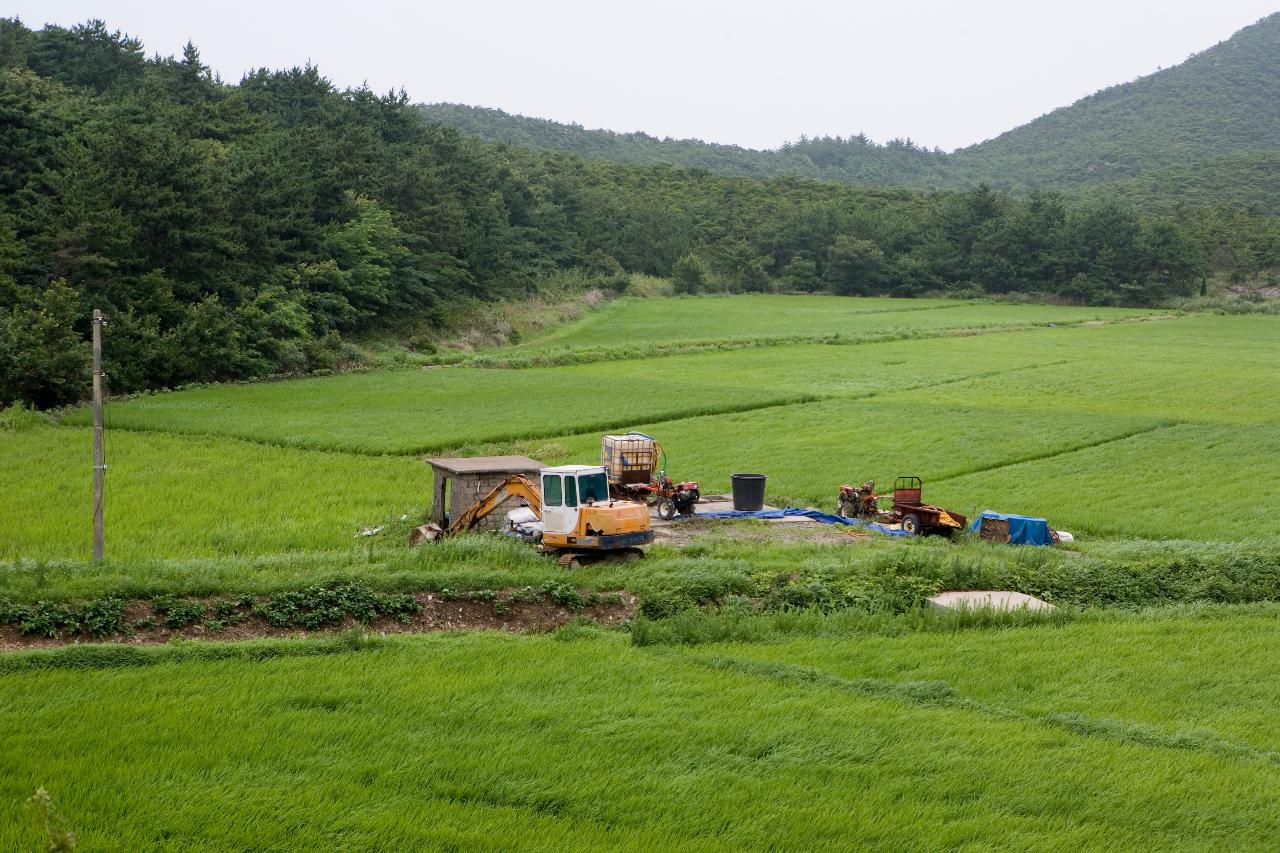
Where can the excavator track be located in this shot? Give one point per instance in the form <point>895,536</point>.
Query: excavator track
<point>579,559</point>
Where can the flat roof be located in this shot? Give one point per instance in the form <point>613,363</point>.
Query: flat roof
<point>486,464</point>
<point>574,469</point>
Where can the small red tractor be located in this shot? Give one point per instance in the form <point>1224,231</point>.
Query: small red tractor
<point>637,469</point>
<point>915,516</point>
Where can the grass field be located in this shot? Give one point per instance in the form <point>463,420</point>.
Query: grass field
<point>417,410</point>
<point>756,316</point>
<point>1191,481</point>
<point>810,449</point>
<point>1042,421</point>
<point>1206,369</point>
<point>767,694</point>
<point>489,742</point>
<point>174,495</point>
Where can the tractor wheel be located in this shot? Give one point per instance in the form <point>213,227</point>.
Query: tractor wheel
<point>687,502</point>
<point>666,509</point>
<point>911,524</point>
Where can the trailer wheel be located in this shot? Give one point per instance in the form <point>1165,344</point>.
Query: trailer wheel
<point>666,509</point>
<point>911,524</point>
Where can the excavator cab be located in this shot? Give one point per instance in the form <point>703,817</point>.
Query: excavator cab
<point>577,511</point>
<point>568,488</point>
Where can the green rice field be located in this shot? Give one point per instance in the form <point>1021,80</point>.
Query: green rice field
<point>750,316</point>
<point>1057,421</point>
<point>174,495</point>
<point>1095,735</point>
<point>764,692</point>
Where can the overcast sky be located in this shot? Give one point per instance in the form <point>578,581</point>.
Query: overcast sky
<point>948,74</point>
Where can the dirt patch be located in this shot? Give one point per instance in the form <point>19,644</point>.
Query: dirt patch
<point>502,613</point>
<point>754,530</point>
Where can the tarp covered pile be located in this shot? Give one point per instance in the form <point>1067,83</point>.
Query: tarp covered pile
<point>1023,529</point>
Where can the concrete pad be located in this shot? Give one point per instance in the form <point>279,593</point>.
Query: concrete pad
<point>717,503</point>
<point>994,599</point>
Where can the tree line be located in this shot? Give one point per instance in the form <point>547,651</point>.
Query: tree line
<point>233,231</point>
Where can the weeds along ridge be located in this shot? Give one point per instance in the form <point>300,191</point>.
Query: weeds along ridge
<point>703,593</point>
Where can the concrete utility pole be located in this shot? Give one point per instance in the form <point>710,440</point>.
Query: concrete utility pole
<point>99,466</point>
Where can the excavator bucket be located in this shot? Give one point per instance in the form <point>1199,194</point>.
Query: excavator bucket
<point>426,533</point>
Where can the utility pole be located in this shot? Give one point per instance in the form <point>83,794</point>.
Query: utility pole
<point>99,466</point>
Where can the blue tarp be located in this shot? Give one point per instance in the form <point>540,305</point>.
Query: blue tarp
<point>814,514</point>
<point>1023,529</point>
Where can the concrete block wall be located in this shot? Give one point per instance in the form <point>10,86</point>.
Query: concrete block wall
<point>468,488</point>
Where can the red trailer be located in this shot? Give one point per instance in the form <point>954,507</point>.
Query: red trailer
<point>916,516</point>
<point>909,509</point>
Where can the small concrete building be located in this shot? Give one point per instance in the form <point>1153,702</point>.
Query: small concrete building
<point>461,482</point>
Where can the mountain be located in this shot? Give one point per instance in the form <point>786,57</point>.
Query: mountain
<point>855,160</point>
<point>1223,101</point>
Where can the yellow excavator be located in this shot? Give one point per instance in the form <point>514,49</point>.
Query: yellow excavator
<point>569,514</point>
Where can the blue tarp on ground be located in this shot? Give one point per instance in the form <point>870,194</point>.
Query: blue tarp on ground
<point>1023,529</point>
<point>814,514</point>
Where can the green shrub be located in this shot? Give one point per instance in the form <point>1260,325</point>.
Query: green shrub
<point>19,418</point>
<point>176,613</point>
<point>565,595</point>
<point>103,617</point>
<point>47,619</point>
<point>320,606</point>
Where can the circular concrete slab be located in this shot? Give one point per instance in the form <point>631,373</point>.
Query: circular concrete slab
<point>978,599</point>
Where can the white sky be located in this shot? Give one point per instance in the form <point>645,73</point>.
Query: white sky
<point>756,74</point>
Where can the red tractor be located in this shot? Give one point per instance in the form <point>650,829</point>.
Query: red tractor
<point>636,465</point>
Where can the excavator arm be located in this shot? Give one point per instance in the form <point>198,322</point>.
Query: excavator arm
<point>514,486</point>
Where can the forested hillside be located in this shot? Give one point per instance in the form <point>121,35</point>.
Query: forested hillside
<point>1223,101</point>
<point>856,160</point>
<point>233,231</point>
<point>1248,181</point>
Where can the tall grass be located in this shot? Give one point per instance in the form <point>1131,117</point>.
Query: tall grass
<point>934,739</point>
<point>870,577</point>
<point>739,623</point>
